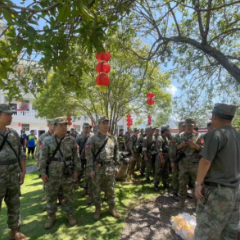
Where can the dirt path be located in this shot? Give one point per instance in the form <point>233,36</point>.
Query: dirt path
<point>151,220</point>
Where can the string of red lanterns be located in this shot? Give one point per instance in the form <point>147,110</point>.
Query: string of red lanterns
<point>103,68</point>
<point>150,100</point>
<point>69,119</point>
<point>149,120</point>
<point>129,120</point>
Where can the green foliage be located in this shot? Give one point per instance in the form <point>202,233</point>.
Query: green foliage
<point>46,31</point>
<point>73,88</point>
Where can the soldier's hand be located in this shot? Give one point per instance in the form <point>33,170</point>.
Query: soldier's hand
<point>92,174</point>
<point>116,172</point>
<point>198,192</point>
<point>74,175</point>
<point>44,178</point>
<point>21,180</point>
<point>184,144</point>
<point>173,165</point>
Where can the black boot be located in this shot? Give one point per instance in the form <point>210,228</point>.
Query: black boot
<point>148,180</point>
<point>156,188</point>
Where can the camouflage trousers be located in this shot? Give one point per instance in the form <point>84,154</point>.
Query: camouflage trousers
<point>166,168</point>
<point>133,161</point>
<point>218,214</point>
<point>143,165</point>
<point>150,165</point>
<point>164,173</point>
<point>175,179</point>
<point>53,187</point>
<point>88,185</point>
<point>104,182</point>
<point>10,192</point>
<point>185,172</point>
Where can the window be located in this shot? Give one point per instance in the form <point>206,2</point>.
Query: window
<point>26,103</point>
<point>78,128</point>
<point>14,107</point>
<point>25,127</point>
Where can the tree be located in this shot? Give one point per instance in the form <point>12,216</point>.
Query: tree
<point>197,40</point>
<point>131,79</point>
<point>44,32</point>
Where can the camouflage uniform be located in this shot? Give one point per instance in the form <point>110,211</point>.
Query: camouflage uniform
<point>104,174</point>
<point>188,165</point>
<point>165,150</point>
<point>121,142</point>
<point>11,155</point>
<point>218,211</point>
<point>143,164</point>
<point>56,177</point>
<point>150,146</point>
<point>158,165</point>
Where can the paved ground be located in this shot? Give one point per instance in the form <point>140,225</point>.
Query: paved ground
<point>31,169</point>
<point>151,220</point>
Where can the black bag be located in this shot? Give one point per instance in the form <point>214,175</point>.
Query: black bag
<point>99,150</point>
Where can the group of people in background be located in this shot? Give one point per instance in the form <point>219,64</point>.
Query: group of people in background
<point>93,160</point>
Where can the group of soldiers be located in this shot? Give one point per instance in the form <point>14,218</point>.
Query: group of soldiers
<point>66,161</point>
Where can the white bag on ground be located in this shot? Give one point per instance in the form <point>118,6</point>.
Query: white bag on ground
<point>184,225</point>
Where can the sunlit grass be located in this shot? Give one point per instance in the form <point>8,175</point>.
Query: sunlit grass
<point>34,217</point>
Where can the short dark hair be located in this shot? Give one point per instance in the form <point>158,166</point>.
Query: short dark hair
<point>209,124</point>
<point>32,131</point>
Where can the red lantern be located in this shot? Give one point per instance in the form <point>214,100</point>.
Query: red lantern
<point>129,124</point>
<point>69,119</point>
<point>104,56</point>
<point>150,95</point>
<point>102,80</point>
<point>19,70</point>
<point>150,101</point>
<point>128,116</point>
<point>69,123</point>
<point>19,124</point>
<point>103,67</point>
<point>74,125</point>
<point>149,117</point>
<point>19,100</point>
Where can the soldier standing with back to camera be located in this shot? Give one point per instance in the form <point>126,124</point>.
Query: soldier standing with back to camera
<point>12,171</point>
<point>217,185</point>
<point>102,163</point>
<point>172,155</point>
<point>59,167</point>
<point>190,143</point>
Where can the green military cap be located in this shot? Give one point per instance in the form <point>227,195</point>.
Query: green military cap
<point>60,120</point>
<point>6,108</point>
<point>86,125</point>
<point>136,129</point>
<point>164,127</point>
<point>224,109</point>
<point>190,122</point>
<point>102,119</point>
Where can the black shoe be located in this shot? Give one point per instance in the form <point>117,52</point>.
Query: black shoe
<point>156,188</point>
<point>166,186</point>
<point>175,196</point>
<point>148,180</point>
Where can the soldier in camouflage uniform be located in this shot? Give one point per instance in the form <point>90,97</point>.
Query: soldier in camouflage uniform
<point>217,185</point>
<point>61,151</point>
<point>133,146</point>
<point>127,138</point>
<point>121,141</point>
<point>190,143</point>
<point>12,171</point>
<point>140,142</point>
<point>82,140</point>
<point>102,163</point>
<point>150,151</point>
<point>172,155</point>
<point>165,133</point>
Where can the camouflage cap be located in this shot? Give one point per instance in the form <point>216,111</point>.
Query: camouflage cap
<point>164,127</point>
<point>136,129</point>
<point>6,108</point>
<point>86,125</point>
<point>181,123</point>
<point>102,119</point>
<point>190,122</point>
<point>60,120</point>
<point>224,109</point>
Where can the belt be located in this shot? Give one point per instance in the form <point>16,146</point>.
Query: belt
<point>212,184</point>
<point>9,162</point>
<point>60,159</point>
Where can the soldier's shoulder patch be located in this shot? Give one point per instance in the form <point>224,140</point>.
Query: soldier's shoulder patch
<point>202,141</point>
<point>77,146</point>
<point>159,143</point>
<point>41,146</point>
<point>88,145</point>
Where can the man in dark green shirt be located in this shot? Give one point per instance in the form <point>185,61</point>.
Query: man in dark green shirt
<point>217,186</point>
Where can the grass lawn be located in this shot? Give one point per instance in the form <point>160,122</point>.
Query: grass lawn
<point>31,162</point>
<point>106,228</point>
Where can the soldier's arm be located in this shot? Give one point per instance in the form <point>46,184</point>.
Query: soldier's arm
<point>144,148</point>
<point>90,155</point>
<point>116,153</point>
<point>130,144</point>
<point>44,154</point>
<point>173,149</point>
<point>22,156</point>
<point>159,142</point>
<point>76,161</point>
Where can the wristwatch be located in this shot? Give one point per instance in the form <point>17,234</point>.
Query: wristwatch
<point>197,184</point>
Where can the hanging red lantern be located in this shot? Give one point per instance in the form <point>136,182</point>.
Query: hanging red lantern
<point>104,56</point>
<point>129,124</point>
<point>150,101</point>
<point>74,125</point>
<point>150,95</point>
<point>102,80</point>
<point>103,67</point>
<point>69,123</point>
<point>19,124</point>
<point>19,70</point>
<point>149,117</point>
<point>128,116</point>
